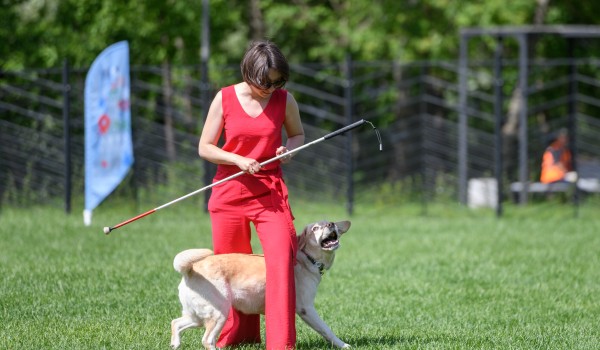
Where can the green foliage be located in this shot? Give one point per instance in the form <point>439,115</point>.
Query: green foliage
<point>41,33</point>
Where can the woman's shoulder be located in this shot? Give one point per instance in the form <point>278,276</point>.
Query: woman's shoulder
<point>218,96</point>
<point>288,94</point>
<point>282,95</point>
<point>228,92</point>
<point>289,99</point>
<point>228,88</point>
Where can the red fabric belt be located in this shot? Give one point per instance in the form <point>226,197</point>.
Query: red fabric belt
<point>272,179</point>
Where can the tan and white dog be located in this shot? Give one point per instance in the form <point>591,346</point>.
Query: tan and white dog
<point>211,284</point>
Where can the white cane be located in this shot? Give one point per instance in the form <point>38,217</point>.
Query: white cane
<point>108,229</point>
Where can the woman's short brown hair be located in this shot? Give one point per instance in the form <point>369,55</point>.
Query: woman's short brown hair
<point>258,59</point>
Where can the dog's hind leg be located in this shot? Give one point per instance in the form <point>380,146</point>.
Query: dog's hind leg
<point>179,325</point>
<point>213,327</point>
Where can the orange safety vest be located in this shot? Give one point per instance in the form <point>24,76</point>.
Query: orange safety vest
<point>556,162</point>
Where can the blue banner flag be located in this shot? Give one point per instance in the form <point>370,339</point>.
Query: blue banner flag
<point>108,144</point>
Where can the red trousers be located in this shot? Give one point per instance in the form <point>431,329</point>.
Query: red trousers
<point>262,201</point>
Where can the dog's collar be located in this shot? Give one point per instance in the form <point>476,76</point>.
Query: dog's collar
<point>318,264</point>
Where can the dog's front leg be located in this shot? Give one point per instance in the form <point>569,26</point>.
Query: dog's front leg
<point>311,317</point>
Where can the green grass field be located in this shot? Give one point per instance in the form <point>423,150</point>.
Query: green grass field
<point>450,279</point>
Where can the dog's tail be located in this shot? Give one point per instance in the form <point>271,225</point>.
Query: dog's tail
<point>183,261</point>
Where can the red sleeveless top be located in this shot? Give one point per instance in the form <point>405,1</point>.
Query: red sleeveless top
<point>252,137</point>
<point>257,138</point>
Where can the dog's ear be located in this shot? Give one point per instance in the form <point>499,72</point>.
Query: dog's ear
<point>343,226</point>
<point>302,237</point>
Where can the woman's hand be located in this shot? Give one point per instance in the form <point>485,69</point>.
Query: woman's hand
<point>281,150</point>
<point>248,165</point>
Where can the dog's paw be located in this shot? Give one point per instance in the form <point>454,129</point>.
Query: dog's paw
<point>346,346</point>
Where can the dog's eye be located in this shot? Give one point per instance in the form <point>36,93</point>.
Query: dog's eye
<point>315,228</point>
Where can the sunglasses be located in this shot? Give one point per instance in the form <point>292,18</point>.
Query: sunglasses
<point>276,84</point>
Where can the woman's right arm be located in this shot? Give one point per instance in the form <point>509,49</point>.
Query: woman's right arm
<point>211,132</point>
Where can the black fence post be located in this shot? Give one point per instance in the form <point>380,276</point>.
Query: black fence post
<point>498,109</point>
<point>67,133</point>
<point>463,118</point>
<point>348,114</point>
<point>3,167</point>
<point>134,117</point>
<point>572,121</point>
<point>204,83</point>
<point>523,40</point>
<point>424,72</point>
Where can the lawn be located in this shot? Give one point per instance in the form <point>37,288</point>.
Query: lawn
<point>448,279</point>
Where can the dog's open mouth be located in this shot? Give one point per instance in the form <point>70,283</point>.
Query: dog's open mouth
<point>330,242</point>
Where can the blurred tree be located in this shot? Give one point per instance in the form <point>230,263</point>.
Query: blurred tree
<point>41,33</point>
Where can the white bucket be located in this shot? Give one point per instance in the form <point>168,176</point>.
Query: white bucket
<point>483,192</point>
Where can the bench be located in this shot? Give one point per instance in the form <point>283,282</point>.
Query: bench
<point>538,187</point>
<point>585,185</point>
<point>589,185</point>
<point>589,181</point>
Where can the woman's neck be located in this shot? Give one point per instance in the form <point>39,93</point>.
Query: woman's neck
<point>254,93</point>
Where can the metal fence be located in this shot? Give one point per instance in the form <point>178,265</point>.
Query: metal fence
<point>413,104</point>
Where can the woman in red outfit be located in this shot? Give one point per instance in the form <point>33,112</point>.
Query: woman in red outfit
<point>252,114</point>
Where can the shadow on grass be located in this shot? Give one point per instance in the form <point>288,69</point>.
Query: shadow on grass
<point>375,342</point>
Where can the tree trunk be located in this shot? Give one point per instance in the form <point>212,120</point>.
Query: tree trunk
<point>511,127</point>
<point>257,24</point>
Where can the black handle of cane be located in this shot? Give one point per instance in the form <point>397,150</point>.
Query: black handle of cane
<point>344,129</point>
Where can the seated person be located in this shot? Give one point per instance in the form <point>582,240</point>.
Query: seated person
<point>556,162</point>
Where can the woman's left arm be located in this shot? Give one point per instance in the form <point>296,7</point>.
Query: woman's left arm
<point>293,128</point>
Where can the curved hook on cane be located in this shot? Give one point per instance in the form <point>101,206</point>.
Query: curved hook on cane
<point>377,133</point>
<point>353,126</point>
